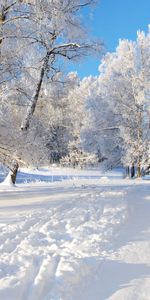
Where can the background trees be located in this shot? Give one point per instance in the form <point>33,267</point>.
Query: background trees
<point>128,78</point>
<point>107,116</point>
<point>119,103</point>
<point>100,131</point>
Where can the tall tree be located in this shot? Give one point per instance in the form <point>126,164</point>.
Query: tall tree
<point>46,32</point>
<point>126,83</point>
<point>34,38</point>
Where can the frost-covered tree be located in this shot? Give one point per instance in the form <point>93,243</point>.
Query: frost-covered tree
<point>99,131</point>
<point>15,148</point>
<point>61,109</point>
<point>77,113</point>
<point>42,33</point>
<point>117,124</point>
<point>125,76</point>
<point>35,38</point>
<point>62,36</point>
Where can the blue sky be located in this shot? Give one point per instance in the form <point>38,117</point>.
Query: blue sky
<point>112,20</point>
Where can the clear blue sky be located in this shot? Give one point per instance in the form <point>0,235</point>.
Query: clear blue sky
<point>112,20</point>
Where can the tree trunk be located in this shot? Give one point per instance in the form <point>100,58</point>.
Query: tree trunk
<point>127,171</point>
<point>13,171</point>
<point>140,135</point>
<point>26,122</point>
<point>139,169</point>
<point>11,177</point>
<point>132,170</point>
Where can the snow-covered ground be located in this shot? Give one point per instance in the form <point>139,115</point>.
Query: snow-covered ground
<point>85,236</point>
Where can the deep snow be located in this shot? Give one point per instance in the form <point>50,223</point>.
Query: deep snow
<point>83,238</point>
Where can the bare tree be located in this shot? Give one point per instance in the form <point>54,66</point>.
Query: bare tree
<point>36,37</point>
<point>62,36</point>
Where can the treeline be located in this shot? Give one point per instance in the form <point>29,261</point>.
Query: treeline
<point>48,116</point>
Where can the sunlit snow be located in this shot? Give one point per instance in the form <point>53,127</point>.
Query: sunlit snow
<point>85,237</point>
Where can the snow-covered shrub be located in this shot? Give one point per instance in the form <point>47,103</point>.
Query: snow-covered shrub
<point>78,158</point>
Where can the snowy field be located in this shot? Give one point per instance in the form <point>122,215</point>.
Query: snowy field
<point>74,235</point>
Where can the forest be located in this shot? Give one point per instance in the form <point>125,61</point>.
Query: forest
<point>49,115</point>
<point>74,150</point>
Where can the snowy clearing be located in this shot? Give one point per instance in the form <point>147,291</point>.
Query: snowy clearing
<point>83,238</point>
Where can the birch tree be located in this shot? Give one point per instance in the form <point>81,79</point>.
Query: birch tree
<point>36,37</point>
<point>100,130</point>
<point>45,33</point>
<point>117,124</point>
<point>65,38</point>
<point>61,109</point>
<point>126,82</point>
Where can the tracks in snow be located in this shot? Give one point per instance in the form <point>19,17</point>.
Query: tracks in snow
<point>48,250</point>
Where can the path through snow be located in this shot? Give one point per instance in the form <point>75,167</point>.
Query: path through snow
<point>75,240</point>
<point>131,255</point>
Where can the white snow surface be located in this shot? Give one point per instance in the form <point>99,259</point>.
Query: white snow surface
<point>77,239</point>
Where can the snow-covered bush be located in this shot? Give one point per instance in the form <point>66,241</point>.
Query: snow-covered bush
<point>79,158</point>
